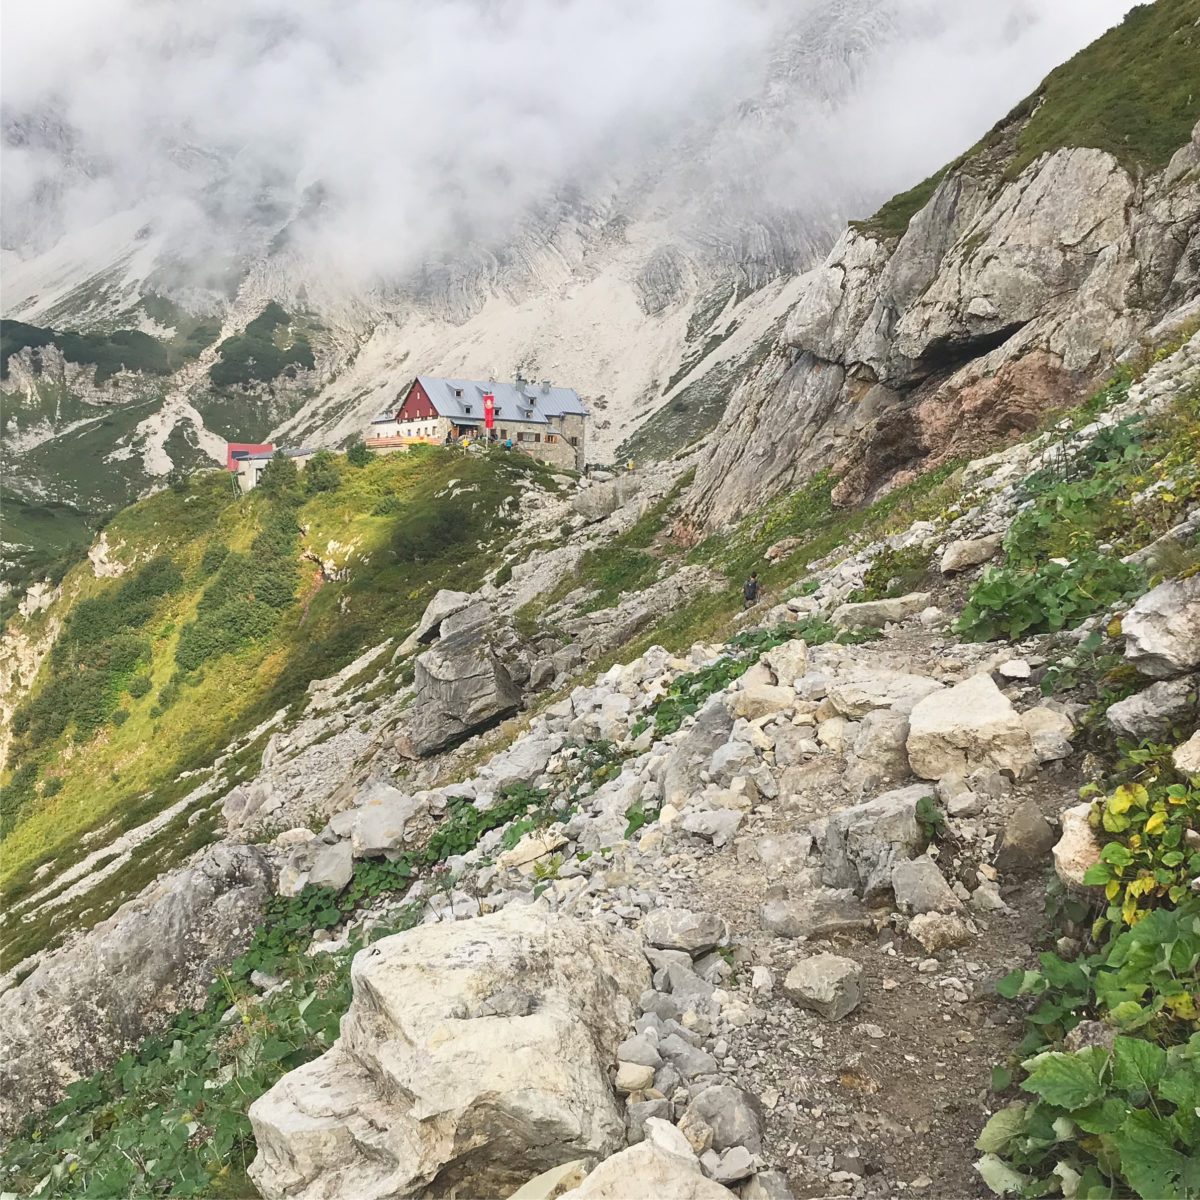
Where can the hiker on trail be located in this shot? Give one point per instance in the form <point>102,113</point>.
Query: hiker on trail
<point>750,590</point>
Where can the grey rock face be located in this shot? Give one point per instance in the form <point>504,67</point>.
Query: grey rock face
<point>816,915</point>
<point>863,843</point>
<point>829,985</point>
<point>598,501</point>
<point>731,1114</point>
<point>1156,709</point>
<point>1162,630</point>
<point>984,286</point>
<point>610,627</point>
<point>460,686</point>
<point>444,604</point>
<point>516,1094</point>
<point>86,1004</point>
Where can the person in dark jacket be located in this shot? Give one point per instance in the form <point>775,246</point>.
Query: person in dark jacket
<point>750,590</point>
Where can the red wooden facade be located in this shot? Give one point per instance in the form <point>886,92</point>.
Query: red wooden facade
<point>417,405</point>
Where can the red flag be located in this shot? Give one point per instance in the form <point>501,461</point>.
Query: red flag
<point>489,410</point>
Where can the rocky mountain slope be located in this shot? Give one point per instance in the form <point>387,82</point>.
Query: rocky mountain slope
<point>991,295</point>
<point>806,854</point>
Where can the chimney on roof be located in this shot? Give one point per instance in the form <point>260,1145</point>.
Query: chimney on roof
<point>545,387</point>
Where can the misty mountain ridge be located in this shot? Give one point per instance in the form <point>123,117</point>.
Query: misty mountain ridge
<point>648,265</point>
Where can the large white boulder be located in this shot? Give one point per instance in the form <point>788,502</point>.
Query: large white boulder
<point>387,819</point>
<point>1162,630</point>
<point>967,727</point>
<point>473,1054</point>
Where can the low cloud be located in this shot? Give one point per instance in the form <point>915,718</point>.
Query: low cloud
<point>400,131</point>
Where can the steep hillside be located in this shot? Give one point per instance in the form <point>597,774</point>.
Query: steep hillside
<point>199,615</point>
<point>775,894</point>
<point>993,293</point>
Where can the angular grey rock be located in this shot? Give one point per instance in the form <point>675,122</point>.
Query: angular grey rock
<point>737,1163</point>
<point>733,1115</point>
<point>682,929</point>
<point>86,1004</point>
<point>971,725</point>
<point>858,692</point>
<point>768,1185</point>
<point>733,758</point>
<point>523,1092</point>
<point>787,662</point>
<point>638,1113</point>
<point>1026,840</point>
<point>819,914</point>
<point>1162,630</point>
<point>460,686</point>
<point>861,844</point>
<point>879,754</point>
<point>1154,711</point>
<point>444,604</point>
<point>875,614</point>
<point>1049,732</point>
<point>969,552</point>
<point>524,760</point>
<point>332,866</point>
<point>641,1049</point>
<point>920,887</point>
<point>694,750</point>
<point>690,1061</point>
<point>827,984</point>
<point>601,499</point>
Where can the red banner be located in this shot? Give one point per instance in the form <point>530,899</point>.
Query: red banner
<point>489,410</point>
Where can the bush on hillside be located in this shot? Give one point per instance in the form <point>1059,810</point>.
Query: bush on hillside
<point>280,477</point>
<point>357,455</point>
<point>243,601</point>
<point>322,474</point>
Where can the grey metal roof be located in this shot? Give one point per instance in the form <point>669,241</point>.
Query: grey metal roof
<point>259,455</point>
<point>532,403</point>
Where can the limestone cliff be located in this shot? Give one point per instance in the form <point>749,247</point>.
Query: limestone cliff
<point>1001,299</point>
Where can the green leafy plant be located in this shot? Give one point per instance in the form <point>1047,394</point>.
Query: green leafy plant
<point>931,818</point>
<point>358,454</point>
<point>1148,856</point>
<point>893,573</point>
<point>1101,1123</point>
<point>1012,602</point>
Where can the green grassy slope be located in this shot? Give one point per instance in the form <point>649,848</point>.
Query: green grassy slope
<point>221,622</point>
<point>1132,92</point>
